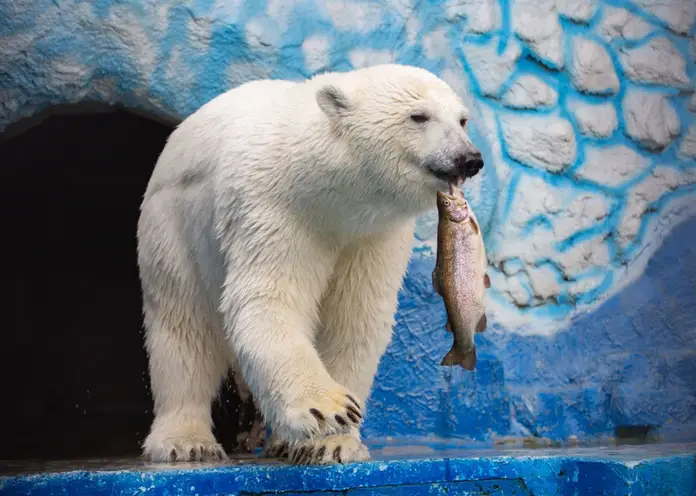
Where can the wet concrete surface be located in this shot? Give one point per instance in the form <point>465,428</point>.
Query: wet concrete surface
<point>382,450</point>
<point>404,466</point>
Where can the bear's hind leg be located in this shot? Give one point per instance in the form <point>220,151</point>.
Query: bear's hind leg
<point>186,370</point>
<point>186,350</point>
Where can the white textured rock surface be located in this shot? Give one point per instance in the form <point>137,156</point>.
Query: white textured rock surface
<point>547,142</point>
<point>544,282</point>
<point>577,10</point>
<point>597,120</point>
<point>543,215</point>
<point>565,209</point>
<point>533,197</point>
<point>611,166</point>
<point>359,17</point>
<point>435,44</point>
<point>512,267</point>
<point>591,68</point>
<point>491,69</point>
<point>650,119</point>
<point>512,288</point>
<point>661,181</point>
<point>657,61</point>
<point>589,254</point>
<point>529,91</point>
<point>454,75</point>
<point>536,22</point>
<point>482,16</point>
<point>687,147</point>
<point>14,45</point>
<point>585,210</point>
<point>620,23</point>
<point>585,285</point>
<point>316,51</point>
<point>410,24</point>
<point>365,57</point>
<point>679,15</point>
<point>237,71</point>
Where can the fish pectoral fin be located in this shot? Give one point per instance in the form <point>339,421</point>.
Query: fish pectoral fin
<point>482,323</point>
<point>474,225</point>
<point>435,277</point>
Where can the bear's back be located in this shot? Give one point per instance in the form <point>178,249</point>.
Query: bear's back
<point>239,120</point>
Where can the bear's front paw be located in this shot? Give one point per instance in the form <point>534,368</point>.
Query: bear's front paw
<point>325,412</point>
<point>328,451</point>
<point>184,448</point>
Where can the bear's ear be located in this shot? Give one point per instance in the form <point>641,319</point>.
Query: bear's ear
<point>332,101</point>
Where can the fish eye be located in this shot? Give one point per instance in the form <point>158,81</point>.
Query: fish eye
<point>447,203</point>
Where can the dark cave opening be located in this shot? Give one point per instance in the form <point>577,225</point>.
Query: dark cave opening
<point>73,370</point>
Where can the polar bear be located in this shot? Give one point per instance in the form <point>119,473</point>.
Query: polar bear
<point>273,238</point>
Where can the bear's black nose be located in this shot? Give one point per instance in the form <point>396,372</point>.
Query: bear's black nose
<point>469,164</point>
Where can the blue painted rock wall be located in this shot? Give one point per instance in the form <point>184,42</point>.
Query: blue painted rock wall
<point>584,113</point>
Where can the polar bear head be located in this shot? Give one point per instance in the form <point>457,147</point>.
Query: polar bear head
<point>405,123</point>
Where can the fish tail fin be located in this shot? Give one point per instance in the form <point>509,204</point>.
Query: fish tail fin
<point>449,359</point>
<point>469,360</point>
<point>466,360</point>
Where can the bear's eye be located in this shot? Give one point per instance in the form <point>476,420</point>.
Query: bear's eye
<point>419,118</point>
<point>462,122</point>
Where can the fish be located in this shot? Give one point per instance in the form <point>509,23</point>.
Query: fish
<point>460,276</point>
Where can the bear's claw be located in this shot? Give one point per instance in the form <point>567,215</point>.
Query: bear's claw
<point>276,449</point>
<point>351,412</point>
<point>333,412</point>
<point>317,414</point>
<point>329,451</point>
<point>185,450</point>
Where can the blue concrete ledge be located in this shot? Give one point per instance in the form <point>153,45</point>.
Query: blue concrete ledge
<point>416,469</point>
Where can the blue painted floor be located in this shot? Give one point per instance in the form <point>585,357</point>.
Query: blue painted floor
<point>416,468</point>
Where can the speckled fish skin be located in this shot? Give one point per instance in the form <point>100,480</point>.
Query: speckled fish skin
<point>460,275</point>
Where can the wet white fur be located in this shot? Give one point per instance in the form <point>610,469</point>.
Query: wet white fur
<point>274,236</point>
